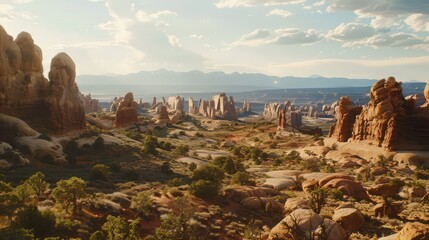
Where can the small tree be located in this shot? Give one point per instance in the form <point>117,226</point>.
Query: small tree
<point>68,192</point>
<point>118,228</point>
<point>242,178</point>
<point>150,144</point>
<point>37,183</point>
<point>9,202</point>
<point>208,172</point>
<point>204,189</point>
<point>177,227</point>
<point>142,203</point>
<point>317,199</point>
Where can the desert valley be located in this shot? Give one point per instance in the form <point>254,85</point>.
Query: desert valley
<point>176,168</point>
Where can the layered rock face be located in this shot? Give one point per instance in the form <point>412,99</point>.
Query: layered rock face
<point>389,121</point>
<point>224,108</point>
<point>271,110</point>
<point>346,117</point>
<point>90,105</point>
<point>65,111</point>
<point>126,112</point>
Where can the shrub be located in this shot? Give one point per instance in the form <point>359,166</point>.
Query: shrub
<point>242,178</point>
<point>150,144</point>
<point>167,146</point>
<point>192,166</point>
<point>40,223</point>
<point>204,189</point>
<point>130,175</point>
<point>317,199</point>
<point>37,183</point>
<point>97,235</point>
<point>208,172</point>
<point>118,228</point>
<point>16,233</point>
<point>165,168</point>
<point>142,203</point>
<point>100,172</point>
<point>175,182</point>
<point>181,149</point>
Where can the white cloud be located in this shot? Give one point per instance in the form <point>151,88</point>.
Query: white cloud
<point>290,36</point>
<point>8,12</point>
<point>280,13</point>
<point>255,38</point>
<point>351,32</point>
<point>384,13</point>
<point>174,41</point>
<point>394,40</point>
<point>145,17</point>
<point>418,22</point>
<point>196,36</point>
<point>251,3</point>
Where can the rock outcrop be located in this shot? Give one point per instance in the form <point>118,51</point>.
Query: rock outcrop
<point>346,117</point>
<point>90,105</point>
<point>65,111</point>
<point>271,110</point>
<point>25,93</point>
<point>220,107</point>
<point>176,103</point>
<point>389,120</point>
<point>126,113</point>
<point>287,117</point>
<point>163,116</point>
<point>192,109</point>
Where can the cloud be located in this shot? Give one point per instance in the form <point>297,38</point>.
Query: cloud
<point>118,26</point>
<point>290,36</point>
<point>8,12</point>
<point>280,13</point>
<point>174,41</point>
<point>196,36</point>
<point>351,32</point>
<point>252,3</point>
<point>286,36</point>
<point>394,40</point>
<point>418,22</point>
<point>145,17</point>
<point>383,12</point>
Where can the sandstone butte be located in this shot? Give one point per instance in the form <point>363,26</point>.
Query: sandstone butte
<point>25,93</point>
<point>389,120</point>
<point>126,112</point>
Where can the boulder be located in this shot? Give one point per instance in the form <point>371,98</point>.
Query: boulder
<point>350,219</point>
<point>390,210</point>
<point>292,204</point>
<point>301,223</point>
<point>239,193</point>
<point>348,187</point>
<point>414,231</point>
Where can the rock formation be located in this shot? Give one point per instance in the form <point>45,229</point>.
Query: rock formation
<point>389,121</point>
<point>192,109</point>
<point>346,117</point>
<point>176,103</point>
<point>271,110</point>
<point>126,113</point>
<point>163,116</point>
<point>90,105</point>
<point>65,111</point>
<point>224,108</point>
<point>25,93</point>
<point>287,117</point>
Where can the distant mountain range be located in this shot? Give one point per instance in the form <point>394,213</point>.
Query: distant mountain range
<point>147,84</point>
<point>197,78</point>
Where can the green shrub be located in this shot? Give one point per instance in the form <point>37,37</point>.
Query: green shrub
<point>204,189</point>
<point>142,203</point>
<point>242,178</point>
<point>100,172</point>
<point>165,168</point>
<point>182,150</point>
<point>192,166</point>
<point>150,144</point>
<point>97,235</point>
<point>175,182</point>
<point>208,172</point>
<point>117,228</point>
<point>40,223</point>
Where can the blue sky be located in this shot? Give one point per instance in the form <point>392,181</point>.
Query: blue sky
<point>332,38</point>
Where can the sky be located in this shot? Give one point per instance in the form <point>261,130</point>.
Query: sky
<point>332,38</point>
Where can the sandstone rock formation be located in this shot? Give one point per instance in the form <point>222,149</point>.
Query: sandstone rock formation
<point>271,110</point>
<point>126,113</point>
<point>414,231</point>
<point>25,93</point>
<point>192,109</point>
<point>389,121</point>
<point>349,218</point>
<point>90,105</point>
<point>65,111</point>
<point>163,116</point>
<point>346,117</point>
<point>346,185</point>
<point>220,107</point>
<point>176,103</point>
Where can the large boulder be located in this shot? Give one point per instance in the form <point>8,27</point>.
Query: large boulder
<point>349,218</point>
<point>65,111</point>
<point>414,231</point>
<point>346,185</point>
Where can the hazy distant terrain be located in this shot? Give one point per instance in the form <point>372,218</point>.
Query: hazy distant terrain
<point>163,82</point>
